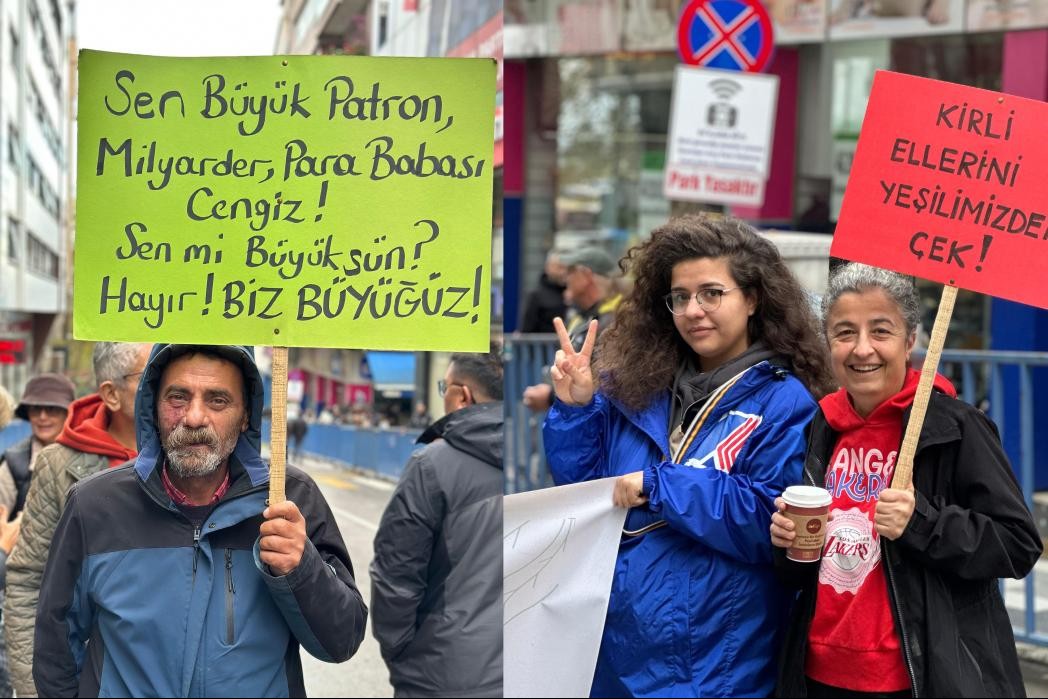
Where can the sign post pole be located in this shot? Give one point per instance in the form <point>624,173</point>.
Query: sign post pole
<point>278,427</point>
<point>904,466</point>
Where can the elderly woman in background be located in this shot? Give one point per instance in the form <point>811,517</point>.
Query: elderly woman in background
<point>45,404</point>
<point>905,600</point>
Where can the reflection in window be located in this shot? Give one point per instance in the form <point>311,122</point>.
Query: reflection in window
<point>611,144</point>
<point>14,240</point>
<point>39,258</point>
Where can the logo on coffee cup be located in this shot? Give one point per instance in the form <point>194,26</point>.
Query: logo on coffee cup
<point>814,525</point>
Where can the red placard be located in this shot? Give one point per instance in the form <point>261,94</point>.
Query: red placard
<point>948,183</point>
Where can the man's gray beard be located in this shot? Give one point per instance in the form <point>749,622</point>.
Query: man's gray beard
<point>185,462</point>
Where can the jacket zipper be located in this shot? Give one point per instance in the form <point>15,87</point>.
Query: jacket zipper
<point>196,550</point>
<point>808,474</point>
<point>902,626</point>
<point>230,591</point>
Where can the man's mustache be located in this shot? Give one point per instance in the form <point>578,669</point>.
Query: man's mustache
<point>183,436</point>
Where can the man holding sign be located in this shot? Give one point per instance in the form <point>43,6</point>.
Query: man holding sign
<point>176,571</point>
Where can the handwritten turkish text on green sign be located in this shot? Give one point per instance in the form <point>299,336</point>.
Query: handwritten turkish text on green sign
<point>323,201</point>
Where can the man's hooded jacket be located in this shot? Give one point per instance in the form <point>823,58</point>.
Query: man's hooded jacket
<point>436,579</point>
<point>176,610</point>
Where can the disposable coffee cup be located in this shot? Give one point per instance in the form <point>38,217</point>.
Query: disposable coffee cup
<point>807,506</point>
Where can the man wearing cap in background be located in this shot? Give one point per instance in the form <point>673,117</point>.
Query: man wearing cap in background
<point>174,578</point>
<point>98,434</point>
<point>590,290</point>
<point>44,404</point>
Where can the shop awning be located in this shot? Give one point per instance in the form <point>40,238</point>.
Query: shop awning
<point>392,371</point>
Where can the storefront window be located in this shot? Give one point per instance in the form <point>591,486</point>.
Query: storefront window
<point>611,144</point>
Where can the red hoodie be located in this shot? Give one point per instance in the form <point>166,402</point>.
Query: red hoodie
<point>85,430</point>
<point>852,642</point>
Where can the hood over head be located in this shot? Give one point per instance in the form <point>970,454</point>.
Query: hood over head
<point>249,445</point>
<point>476,430</point>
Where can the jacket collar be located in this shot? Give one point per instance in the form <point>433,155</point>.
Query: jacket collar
<point>653,419</point>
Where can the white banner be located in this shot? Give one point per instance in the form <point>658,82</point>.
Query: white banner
<point>559,550</point>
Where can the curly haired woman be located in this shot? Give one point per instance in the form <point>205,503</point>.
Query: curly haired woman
<point>706,382</point>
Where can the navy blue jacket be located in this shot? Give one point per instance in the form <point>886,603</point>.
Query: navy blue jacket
<point>174,610</point>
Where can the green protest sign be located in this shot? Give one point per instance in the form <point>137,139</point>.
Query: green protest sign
<point>316,201</point>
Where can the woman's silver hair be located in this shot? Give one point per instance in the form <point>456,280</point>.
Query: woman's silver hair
<point>857,278</point>
<point>114,360</point>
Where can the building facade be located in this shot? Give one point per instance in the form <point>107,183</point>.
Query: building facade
<point>589,93</point>
<point>35,183</point>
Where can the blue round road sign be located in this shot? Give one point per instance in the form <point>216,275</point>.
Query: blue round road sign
<point>727,34</point>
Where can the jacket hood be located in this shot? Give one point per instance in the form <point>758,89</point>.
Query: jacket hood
<point>86,430</point>
<point>476,430</point>
<point>248,448</point>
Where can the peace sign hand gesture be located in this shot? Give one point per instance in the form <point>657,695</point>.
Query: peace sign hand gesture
<point>572,378</point>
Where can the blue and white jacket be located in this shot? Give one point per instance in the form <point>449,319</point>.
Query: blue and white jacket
<point>695,609</point>
<point>172,610</point>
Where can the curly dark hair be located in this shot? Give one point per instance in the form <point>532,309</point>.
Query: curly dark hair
<point>641,350</point>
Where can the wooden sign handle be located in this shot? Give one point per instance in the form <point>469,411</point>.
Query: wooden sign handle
<point>904,465</point>
<point>278,427</point>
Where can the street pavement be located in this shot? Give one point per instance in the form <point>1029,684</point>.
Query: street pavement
<point>1035,677</point>
<point>1033,659</point>
<point>357,502</point>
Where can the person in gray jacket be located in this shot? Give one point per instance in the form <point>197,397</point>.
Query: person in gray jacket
<point>436,579</point>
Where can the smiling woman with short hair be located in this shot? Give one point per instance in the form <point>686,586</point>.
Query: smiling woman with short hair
<point>905,600</point>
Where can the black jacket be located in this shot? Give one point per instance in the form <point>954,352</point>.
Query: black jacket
<point>970,527</point>
<point>436,579</point>
<point>544,303</point>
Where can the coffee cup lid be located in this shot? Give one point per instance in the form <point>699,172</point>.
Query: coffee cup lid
<point>806,496</point>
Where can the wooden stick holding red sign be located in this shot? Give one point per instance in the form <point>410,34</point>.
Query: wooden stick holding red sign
<point>278,427</point>
<point>904,465</point>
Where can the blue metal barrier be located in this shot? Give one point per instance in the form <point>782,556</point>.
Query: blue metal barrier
<point>526,357</point>
<point>383,451</point>
<point>978,375</point>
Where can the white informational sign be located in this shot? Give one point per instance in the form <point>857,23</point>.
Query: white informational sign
<point>559,550</point>
<point>720,140</point>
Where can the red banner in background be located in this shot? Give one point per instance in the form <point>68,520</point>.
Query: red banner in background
<point>948,183</point>
<point>12,351</point>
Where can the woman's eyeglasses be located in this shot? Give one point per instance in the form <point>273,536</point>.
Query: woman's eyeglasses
<point>708,299</point>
